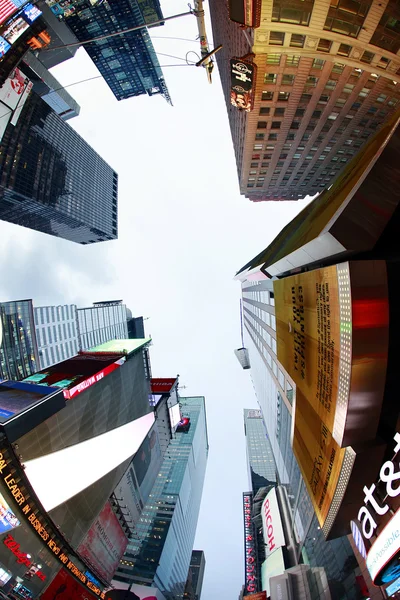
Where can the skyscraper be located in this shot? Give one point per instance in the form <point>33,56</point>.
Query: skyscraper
<point>260,459</point>
<point>19,355</point>
<point>326,78</point>
<point>160,551</point>
<point>128,63</point>
<point>51,180</point>
<point>195,578</point>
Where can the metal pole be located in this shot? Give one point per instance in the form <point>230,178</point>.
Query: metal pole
<point>110,35</point>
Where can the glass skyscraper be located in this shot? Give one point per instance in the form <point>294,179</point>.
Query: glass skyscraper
<point>102,322</point>
<point>128,63</point>
<point>18,346</point>
<point>159,553</point>
<point>51,180</point>
<point>195,578</point>
<point>275,393</point>
<point>260,459</point>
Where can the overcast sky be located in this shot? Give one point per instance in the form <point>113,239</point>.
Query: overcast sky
<point>184,230</point>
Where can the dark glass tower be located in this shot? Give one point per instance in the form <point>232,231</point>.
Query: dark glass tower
<point>18,346</point>
<point>51,180</point>
<point>195,578</point>
<point>260,458</point>
<point>128,62</point>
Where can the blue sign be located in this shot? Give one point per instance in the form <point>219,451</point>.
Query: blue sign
<point>31,13</point>
<point>4,46</point>
<point>393,587</point>
<point>92,579</point>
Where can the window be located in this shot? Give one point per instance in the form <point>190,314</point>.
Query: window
<point>290,136</point>
<point>254,165</point>
<point>295,13</point>
<point>367,57</point>
<point>295,125</point>
<point>324,45</point>
<point>265,96</point>
<point>338,68</point>
<point>311,81</point>
<point>264,164</point>
<point>259,136</point>
<point>381,98</point>
<point>276,125</point>
<point>330,84</point>
<point>264,110</point>
<point>323,99</point>
<point>257,147</point>
<point>364,92</point>
<point>279,112</point>
<point>267,157</point>
<point>261,125</point>
<point>299,112</point>
<point>318,63</point>
<point>292,60</point>
<point>297,40</point>
<point>114,64</point>
<point>270,77</point>
<point>344,50</point>
<point>283,96</point>
<point>273,59</point>
<point>273,137</point>
<point>287,79</point>
<point>276,38</point>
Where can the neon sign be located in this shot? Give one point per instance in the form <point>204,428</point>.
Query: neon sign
<point>249,545</point>
<point>22,557</point>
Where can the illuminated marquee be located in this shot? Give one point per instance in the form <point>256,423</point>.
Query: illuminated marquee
<point>36,521</point>
<point>21,557</point>
<point>249,546</point>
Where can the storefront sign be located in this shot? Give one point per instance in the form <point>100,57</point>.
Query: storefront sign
<point>245,12</point>
<point>243,79</point>
<point>21,557</point>
<point>272,524</point>
<point>37,521</point>
<point>249,546</point>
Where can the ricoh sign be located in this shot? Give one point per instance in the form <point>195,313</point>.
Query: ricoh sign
<point>382,557</point>
<point>274,536</point>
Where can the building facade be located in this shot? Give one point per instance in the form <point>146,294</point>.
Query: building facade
<point>53,181</point>
<point>195,578</point>
<point>327,79</point>
<point>260,458</point>
<point>275,391</point>
<point>160,551</point>
<point>102,322</point>
<point>128,63</point>
<point>19,353</point>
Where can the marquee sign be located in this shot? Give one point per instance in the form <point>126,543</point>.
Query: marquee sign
<point>249,546</point>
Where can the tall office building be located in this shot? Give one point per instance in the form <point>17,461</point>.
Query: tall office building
<point>51,180</point>
<point>19,354</point>
<point>260,458</point>
<point>325,78</point>
<point>128,63</point>
<point>62,331</point>
<point>195,578</point>
<point>159,553</point>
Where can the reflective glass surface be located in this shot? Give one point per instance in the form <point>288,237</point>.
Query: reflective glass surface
<point>18,349</point>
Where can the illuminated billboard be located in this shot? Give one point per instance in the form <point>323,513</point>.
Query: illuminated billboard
<point>383,559</point>
<point>272,566</point>
<point>8,520</point>
<point>175,416</point>
<point>332,339</point>
<point>272,523</point>
<point>7,8</point>
<point>125,347</point>
<point>243,80</point>
<point>245,12</point>
<point>162,385</point>
<point>105,543</point>
<point>65,586</point>
<point>77,374</point>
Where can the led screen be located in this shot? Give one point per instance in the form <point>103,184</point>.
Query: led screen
<point>175,415</point>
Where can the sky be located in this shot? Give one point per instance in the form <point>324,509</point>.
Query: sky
<point>184,230</point>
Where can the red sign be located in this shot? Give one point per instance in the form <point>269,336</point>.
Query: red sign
<point>83,385</point>
<point>161,385</point>
<point>21,557</point>
<point>249,545</point>
<point>7,8</point>
<point>105,543</point>
<point>66,587</point>
<point>258,596</point>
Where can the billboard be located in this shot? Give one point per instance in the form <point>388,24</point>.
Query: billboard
<point>383,559</point>
<point>7,8</point>
<point>66,587</point>
<point>77,374</point>
<point>12,90</point>
<point>243,80</point>
<point>272,566</point>
<point>7,518</point>
<point>162,385</point>
<point>257,596</point>
<point>105,543</point>
<point>136,592</point>
<point>245,12</point>
<point>175,416</point>
<point>125,347</point>
<point>250,550</point>
<point>272,523</point>
<point>332,339</point>
<point>16,397</point>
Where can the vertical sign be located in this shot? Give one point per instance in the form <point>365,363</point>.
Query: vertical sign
<point>249,545</point>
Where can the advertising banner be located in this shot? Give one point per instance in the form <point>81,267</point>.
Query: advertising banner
<point>12,90</point>
<point>383,557</point>
<point>161,385</point>
<point>243,78</point>
<point>125,347</point>
<point>16,396</point>
<point>66,587</point>
<point>272,566</point>
<point>7,8</point>
<point>7,518</point>
<point>272,523</point>
<point>126,591</point>
<point>332,337</point>
<point>245,12</point>
<point>105,543</point>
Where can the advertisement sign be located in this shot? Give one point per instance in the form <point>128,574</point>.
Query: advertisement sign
<point>332,337</point>
<point>175,416</point>
<point>7,8</point>
<point>250,552</point>
<point>272,566</point>
<point>383,559</point>
<point>161,385</point>
<point>12,90</point>
<point>15,28</point>
<point>4,46</point>
<point>65,587</point>
<point>126,591</point>
<point>105,543</point>
<point>31,12</point>
<point>125,347</point>
<point>273,534</point>
<point>245,12</point>
<point>243,78</point>
<point>7,518</point>
<point>15,397</point>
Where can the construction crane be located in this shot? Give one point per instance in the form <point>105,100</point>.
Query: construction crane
<point>206,60</point>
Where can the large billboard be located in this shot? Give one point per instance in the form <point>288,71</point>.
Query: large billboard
<point>162,385</point>
<point>272,523</point>
<point>8,520</point>
<point>272,566</point>
<point>250,548</point>
<point>243,81</point>
<point>125,347</point>
<point>77,374</point>
<point>105,543</point>
<point>245,12</point>
<point>332,337</point>
<point>66,587</point>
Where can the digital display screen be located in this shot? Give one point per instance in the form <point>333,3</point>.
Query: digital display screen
<point>4,46</point>
<point>15,29</point>
<point>31,12</point>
